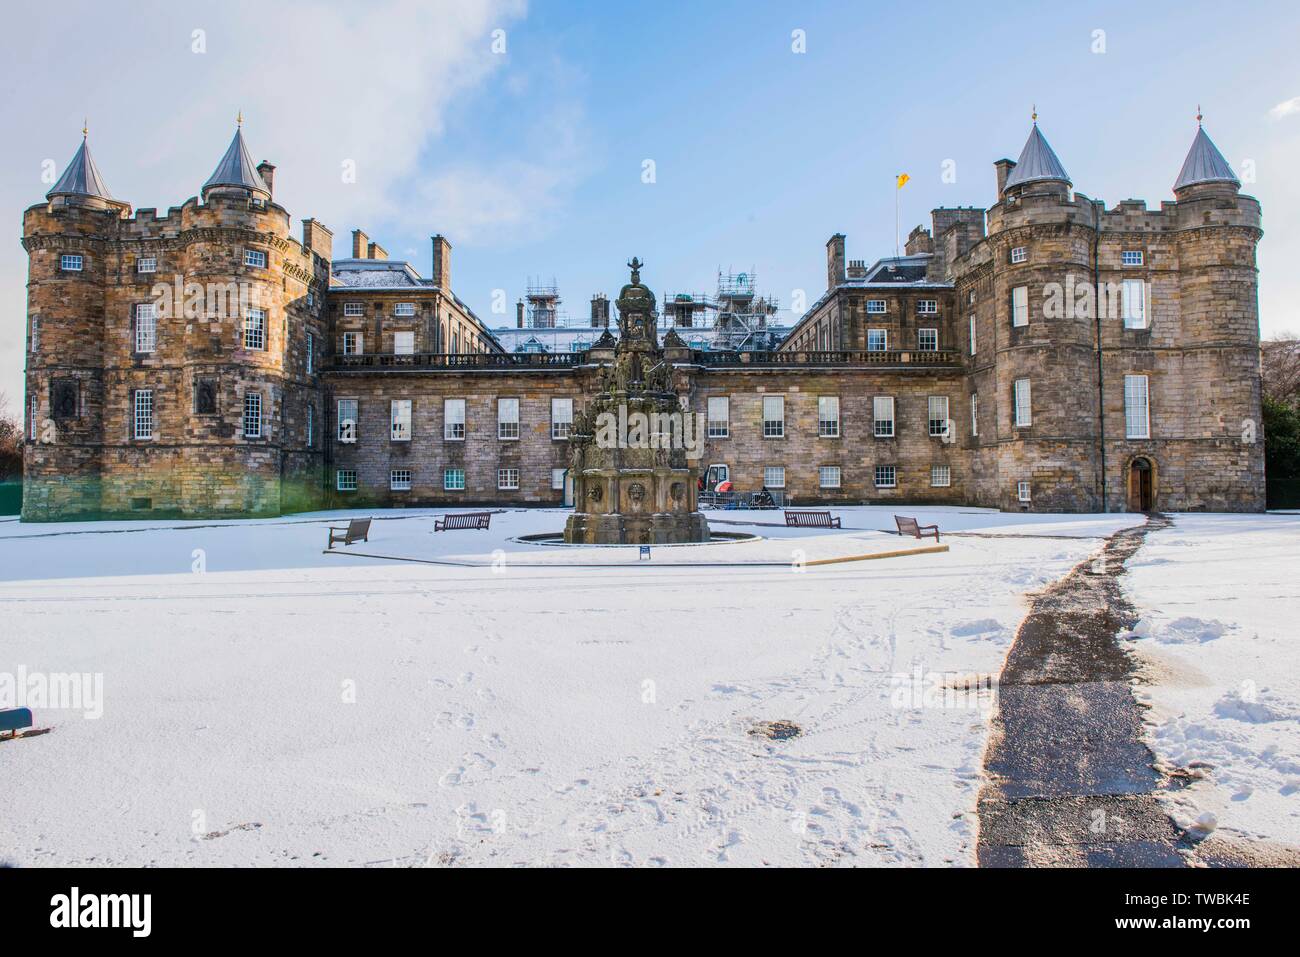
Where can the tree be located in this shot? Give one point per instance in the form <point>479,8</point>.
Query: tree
<point>11,443</point>
<point>1280,369</point>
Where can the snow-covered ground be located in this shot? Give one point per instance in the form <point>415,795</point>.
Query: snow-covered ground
<point>264,703</point>
<point>1220,602</point>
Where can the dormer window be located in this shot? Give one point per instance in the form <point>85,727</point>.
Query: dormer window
<point>354,309</point>
<point>255,258</point>
<point>927,307</point>
<point>1131,257</point>
<point>146,264</point>
<point>70,263</point>
<point>403,308</point>
<point>1019,254</point>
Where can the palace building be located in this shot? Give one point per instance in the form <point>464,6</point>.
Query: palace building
<point>1047,353</point>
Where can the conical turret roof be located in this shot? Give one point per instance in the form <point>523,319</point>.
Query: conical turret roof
<point>236,168</point>
<point>81,178</point>
<point>1037,163</point>
<point>1204,164</point>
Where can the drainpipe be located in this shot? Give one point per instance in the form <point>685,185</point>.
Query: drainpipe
<point>1101,382</point>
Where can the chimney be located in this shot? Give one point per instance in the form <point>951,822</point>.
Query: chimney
<point>834,261</point>
<point>360,244</point>
<point>376,251</point>
<point>919,240</point>
<point>599,311</point>
<point>267,172</point>
<point>519,314</point>
<point>318,238</point>
<point>1004,168</point>
<point>442,263</point>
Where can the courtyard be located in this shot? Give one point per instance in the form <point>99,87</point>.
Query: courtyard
<point>467,698</point>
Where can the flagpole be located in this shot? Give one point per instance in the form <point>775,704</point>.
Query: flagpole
<point>897,189</point>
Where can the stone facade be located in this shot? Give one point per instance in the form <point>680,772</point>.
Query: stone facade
<point>981,303</point>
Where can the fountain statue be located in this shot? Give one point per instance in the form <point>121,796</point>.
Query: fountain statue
<point>633,451</point>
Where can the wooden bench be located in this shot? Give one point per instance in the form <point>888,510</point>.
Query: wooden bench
<point>908,526</point>
<point>810,520</point>
<point>358,529</point>
<point>14,720</point>
<point>464,520</point>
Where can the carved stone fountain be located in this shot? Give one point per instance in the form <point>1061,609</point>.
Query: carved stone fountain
<point>631,485</point>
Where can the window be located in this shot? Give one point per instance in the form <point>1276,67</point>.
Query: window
<point>311,424</point>
<point>403,343</point>
<point>252,415</point>
<point>971,298</point>
<point>938,415</point>
<point>70,263</point>
<point>828,416</point>
<point>1019,254</point>
<point>828,476</point>
<point>35,338</point>
<point>403,308</point>
<point>1020,306</point>
<point>774,476</point>
<point>345,480</point>
<point>143,424</point>
<point>1131,257</point>
<point>1022,491</point>
<point>886,476</point>
<point>882,414</point>
<point>311,353</point>
<point>940,476</point>
<point>557,479</point>
<point>347,421</point>
<point>927,307</point>
<point>255,258</point>
<point>400,418</point>
<point>927,340</point>
<point>352,343</point>
<point>32,415</point>
<point>146,264</point>
<point>1134,293</point>
<point>773,416</point>
<point>719,417</point>
<point>972,334</point>
<point>399,480</point>
<point>507,479</point>
<point>311,300</point>
<point>877,340</point>
<point>507,419</point>
<point>146,327</point>
<point>561,418</point>
<point>453,480</point>
<point>875,306</point>
<point>1137,410</point>
<point>974,414</point>
<point>1022,411</point>
<point>354,309</point>
<point>255,329</point>
<point>453,420</point>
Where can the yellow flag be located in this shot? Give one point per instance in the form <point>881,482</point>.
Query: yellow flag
<point>902,180</point>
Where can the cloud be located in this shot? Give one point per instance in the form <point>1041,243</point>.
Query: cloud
<point>318,84</point>
<point>1285,108</point>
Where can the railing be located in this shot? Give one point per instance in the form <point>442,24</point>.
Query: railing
<point>828,358</point>
<point>461,361</point>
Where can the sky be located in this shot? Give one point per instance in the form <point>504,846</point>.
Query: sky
<point>558,139</point>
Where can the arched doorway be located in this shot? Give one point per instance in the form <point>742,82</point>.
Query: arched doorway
<point>1141,485</point>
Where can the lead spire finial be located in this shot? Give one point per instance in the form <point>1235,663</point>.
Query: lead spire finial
<point>1199,117</point>
<point>85,128</point>
<point>239,120</point>
<point>1033,115</point>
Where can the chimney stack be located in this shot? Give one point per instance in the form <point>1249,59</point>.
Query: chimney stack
<point>834,261</point>
<point>519,314</point>
<point>318,238</point>
<point>360,244</point>
<point>599,311</point>
<point>1004,168</point>
<point>442,263</point>
<point>376,251</point>
<point>267,172</point>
